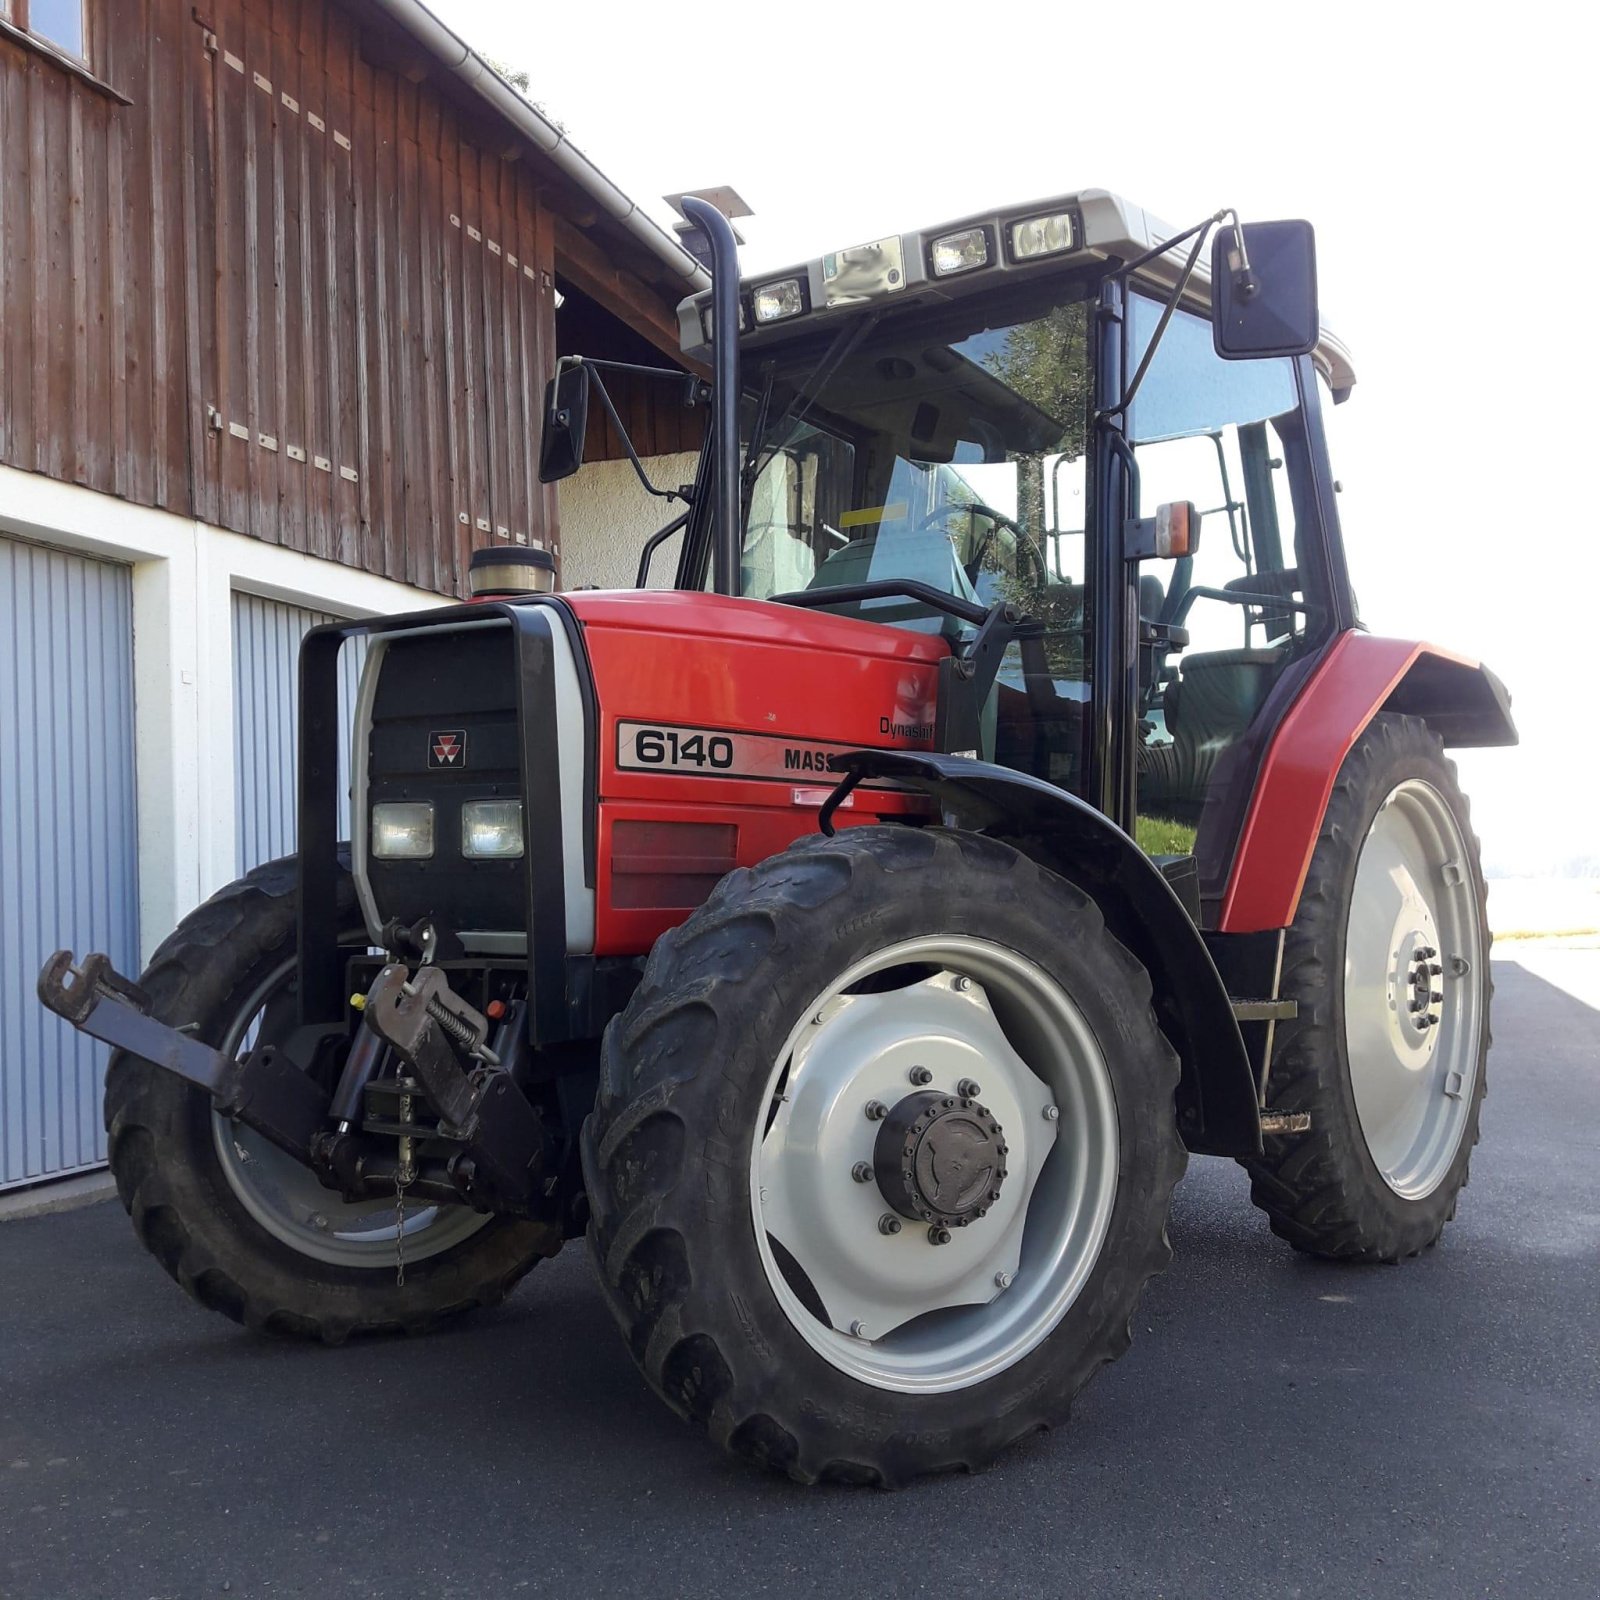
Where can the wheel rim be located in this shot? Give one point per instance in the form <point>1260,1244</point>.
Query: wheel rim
<point>289,1202</point>
<point>1413,997</point>
<point>890,1308</point>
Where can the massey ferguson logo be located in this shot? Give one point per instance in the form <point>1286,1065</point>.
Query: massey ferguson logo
<point>447,749</point>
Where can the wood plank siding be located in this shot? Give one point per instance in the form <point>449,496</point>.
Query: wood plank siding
<point>301,286</point>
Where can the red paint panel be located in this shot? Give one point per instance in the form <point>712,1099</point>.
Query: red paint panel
<point>760,832</point>
<point>1355,678</point>
<point>744,666</point>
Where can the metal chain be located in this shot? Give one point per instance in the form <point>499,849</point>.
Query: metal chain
<point>399,1231</point>
<point>404,1172</point>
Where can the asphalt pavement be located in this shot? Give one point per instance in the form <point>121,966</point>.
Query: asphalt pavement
<point>1281,1427</point>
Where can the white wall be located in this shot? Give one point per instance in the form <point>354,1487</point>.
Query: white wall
<point>606,517</point>
<point>184,575</point>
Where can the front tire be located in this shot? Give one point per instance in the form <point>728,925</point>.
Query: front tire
<point>240,1225</point>
<point>726,1159</point>
<point>1388,958</point>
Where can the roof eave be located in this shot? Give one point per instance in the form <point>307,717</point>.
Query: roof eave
<point>468,67</point>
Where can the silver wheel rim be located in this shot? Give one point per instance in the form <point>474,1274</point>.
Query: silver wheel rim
<point>286,1199</point>
<point>901,1313</point>
<point>1413,996</point>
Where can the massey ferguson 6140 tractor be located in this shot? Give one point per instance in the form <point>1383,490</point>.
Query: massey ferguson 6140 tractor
<point>855,938</point>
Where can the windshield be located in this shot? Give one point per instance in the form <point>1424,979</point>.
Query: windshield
<point>946,449</point>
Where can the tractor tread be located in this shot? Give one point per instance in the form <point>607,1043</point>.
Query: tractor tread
<point>652,1195</point>
<point>1320,1190</point>
<point>169,1184</point>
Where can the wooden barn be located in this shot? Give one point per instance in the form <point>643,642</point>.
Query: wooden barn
<point>281,284</point>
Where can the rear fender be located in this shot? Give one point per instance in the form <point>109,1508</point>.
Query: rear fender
<point>1358,677</point>
<point>1216,1100</point>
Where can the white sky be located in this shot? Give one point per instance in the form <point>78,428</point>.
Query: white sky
<point>1445,154</point>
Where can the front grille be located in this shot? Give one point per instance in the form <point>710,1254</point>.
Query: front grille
<point>444,730</point>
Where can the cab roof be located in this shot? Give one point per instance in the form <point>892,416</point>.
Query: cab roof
<point>1105,227</point>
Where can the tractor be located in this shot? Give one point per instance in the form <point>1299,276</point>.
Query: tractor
<point>854,935</point>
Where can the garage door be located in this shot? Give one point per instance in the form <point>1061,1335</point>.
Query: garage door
<point>266,654</point>
<point>68,838</point>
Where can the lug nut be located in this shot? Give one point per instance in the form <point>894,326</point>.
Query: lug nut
<point>1002,1280</point>
<point>1051,1113</point>
<point>938,1235</point>
<point>888,1223</point>
<point>862,1172</point>
<point>969,1089</point>
<point>876,1111</point>
<point>920,1076</point>
<point>1437,996</point>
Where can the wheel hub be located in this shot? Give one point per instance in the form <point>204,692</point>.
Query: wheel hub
<point>940,1159</point>
<point>1422,1005</point>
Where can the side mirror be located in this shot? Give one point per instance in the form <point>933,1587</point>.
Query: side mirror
<point>566,416</point>
<point>1264,299</point>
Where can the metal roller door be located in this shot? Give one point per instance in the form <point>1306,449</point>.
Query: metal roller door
<point>68,838</point>
<point>266,657</point>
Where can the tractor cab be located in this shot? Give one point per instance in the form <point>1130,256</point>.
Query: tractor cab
<point>993,410</point>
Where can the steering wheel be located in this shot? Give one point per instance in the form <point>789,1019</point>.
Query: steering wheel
<point>974,510</point>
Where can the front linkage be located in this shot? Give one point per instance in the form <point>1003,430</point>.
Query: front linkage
<point>418,1044</point>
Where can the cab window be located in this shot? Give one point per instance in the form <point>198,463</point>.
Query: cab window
<point>1231,437</point>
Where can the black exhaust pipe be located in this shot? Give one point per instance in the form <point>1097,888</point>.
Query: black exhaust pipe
<point>729,546</point>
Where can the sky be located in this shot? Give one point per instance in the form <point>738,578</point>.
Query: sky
<point>1444,154</point>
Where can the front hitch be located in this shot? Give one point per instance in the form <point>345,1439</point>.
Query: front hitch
<point>497,1138</point>
<point>263,1089</point>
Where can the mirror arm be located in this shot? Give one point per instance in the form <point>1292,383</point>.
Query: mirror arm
<point>1243,274</point>
<point>1198,233</point>
<point>598,384</point>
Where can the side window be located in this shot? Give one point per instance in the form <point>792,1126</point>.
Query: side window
<point>1229,436</point>
<point>57,22</point>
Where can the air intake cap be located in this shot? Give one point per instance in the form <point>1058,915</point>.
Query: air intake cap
<point>511,569</point>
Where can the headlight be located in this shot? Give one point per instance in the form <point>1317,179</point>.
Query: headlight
<point>959,252</point>
<point>492,829</point>
<point>402,830</point>
<point>1042,236</point>
<point>775,301</point>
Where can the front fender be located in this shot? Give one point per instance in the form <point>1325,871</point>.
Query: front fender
<point>1216,1100</point>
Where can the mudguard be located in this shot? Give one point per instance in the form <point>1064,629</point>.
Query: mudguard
<point>1359,676</point>
<point>1216,1100</point>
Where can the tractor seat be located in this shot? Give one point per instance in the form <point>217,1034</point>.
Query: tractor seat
<point>1213,700</point>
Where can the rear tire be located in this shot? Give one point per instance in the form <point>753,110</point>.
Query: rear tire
<point>1392,1077</point>
<point>206,1227</point>
<point>700,1071</point>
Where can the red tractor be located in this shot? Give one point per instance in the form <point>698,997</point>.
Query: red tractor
<point>855,938</point>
